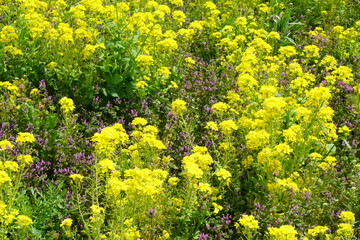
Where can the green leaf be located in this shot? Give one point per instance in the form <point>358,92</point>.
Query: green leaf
<point>330,147</point>
<point>116,79</point>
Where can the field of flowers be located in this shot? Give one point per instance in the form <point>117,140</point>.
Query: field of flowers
<point>180,119</point>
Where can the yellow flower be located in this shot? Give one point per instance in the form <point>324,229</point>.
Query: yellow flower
<point>177,2</point>
<point>257,139</point>
<point>3,208</point>
<point>96,209</point>
<point>179,16</point>
<point>168,44</point>
<point>76,177</point>
<point>311,51</point>
<point>173,85</point>
<point>13,166</point>
<point>285,232</point>
<point>248,221</point>
<point>139,121</point>
<point>344,129</point>
<point>23,221</point>
<point>52,65</point>
<point>173,181</point>
<point>7,219</point>
<point>165,235</point>
<point>212,126</point>
<point>25,137</point>
<point>109,137</point>
<point>217,208</point>
<point>190,61</point>
<point>141,84</point>
<point>345,230</point>
<point>66,223</point>
<point>144,181</point>
<point>8,34</point>
<point>144,60</point>
<point>274,35</point>
<point>4,177</point>
<point>192,169</point>
<point>12,50</point>
<point>27,159</point>
<point>228,126</point>
<point>347,217</point>
<point>204,187</point>
<point>223,174</point>
<point>287,51</point>
<point>317,230</point>
<point>5,144</point>
<point>220,107</point>
<point>106,165</point>
<point>67,104</point>
<point>178,106</point>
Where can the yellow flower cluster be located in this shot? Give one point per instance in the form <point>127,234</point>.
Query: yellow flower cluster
<point>24,137</point>
<point>23,221</point>
<point>347,217</point>
<point>285,232</point>
<point>66,104</point>
<point>137,182</point>
<point>283,184</point>
<point>247,221</point>
<point>318,230</point>
<point>66,223</point>
<point>196,163</point>
<point>220,107</point>
<point>5,144</point>
<point>178,106</point>
<point>145,138</point>
<point>106,165</point>
<point>109,138</point>
<point>76,177</point>
<point>223,174</point>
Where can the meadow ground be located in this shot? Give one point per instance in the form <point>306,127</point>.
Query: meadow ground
<point>180,119</point>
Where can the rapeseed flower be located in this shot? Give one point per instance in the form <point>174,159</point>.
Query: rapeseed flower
<point>4,177</point>
<point>66,223</point>
<point>23,221</point>
<point>345,230</point>
<point>144,60</point>
<point>247,221</point>
<point>257,139</point>
<point>179,16</point>
<point>173,181</point>
<point>13,166</point>
<point>287,51</point>
<point>12,50</point>
<point>24,137</point>
<point>5,144</point>
<point>318,230</point>
<point>212,126</point>
<point>76,177</point>
<point>223,174</point>
<point>106,165</point>
<point>67,104</point>
<point>217,208</point>
<point>311,51</point>
<point>8,35</point>
<point>204,187</point>
<point>220,107</point>
<point>285,232</point>
<point>228,126</point>
<point>178,106</point>
<point>347,217</point>
<point>144,181</point>
<point>139,121</point>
